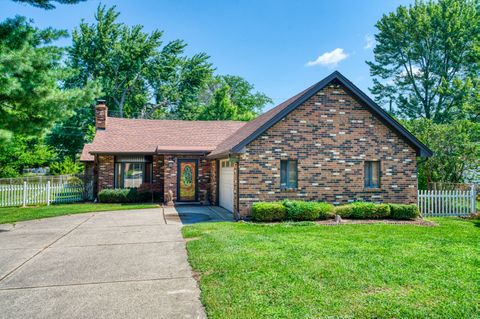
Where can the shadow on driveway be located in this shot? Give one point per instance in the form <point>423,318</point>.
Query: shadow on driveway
<point>190,214</point>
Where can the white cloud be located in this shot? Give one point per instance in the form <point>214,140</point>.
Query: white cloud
<point>369,42</point>
<point>331,58</point>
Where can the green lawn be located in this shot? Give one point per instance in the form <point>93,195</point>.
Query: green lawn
<point>350,271</point>
<point>15,214</point>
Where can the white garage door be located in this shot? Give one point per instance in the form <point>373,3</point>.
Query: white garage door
<point>226,185</point>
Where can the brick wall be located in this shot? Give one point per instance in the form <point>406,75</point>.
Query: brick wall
<point>204,180</point>
<point>213,183</point>
<point>106,171</point>
<point>158,171</point>
<point>331,135</point>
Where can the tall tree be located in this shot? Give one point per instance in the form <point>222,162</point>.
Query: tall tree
<point>229,94</point>
<point>427,60</point>
<point>456,149</point>
<point>220,106</point>
<point>115,56</point>
<point>32,95</point>
<point>138,76</point>
<point>47,4</point>
<point>177,80</point>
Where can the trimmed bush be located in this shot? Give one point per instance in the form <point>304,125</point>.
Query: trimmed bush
<point>363,210</point>
<point>399,211</point>
<point>119,195</point>
<point>268,211</point>
<point>345,211</point>
<point>299,210</point>
<point>308,211</point>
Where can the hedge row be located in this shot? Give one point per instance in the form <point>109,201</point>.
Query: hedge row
<point>291,210</point>
<point>299,210</point>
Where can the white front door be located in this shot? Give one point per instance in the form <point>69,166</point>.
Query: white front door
<point>226,185</point>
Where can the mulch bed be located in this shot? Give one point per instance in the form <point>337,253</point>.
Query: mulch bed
<point>416,222</point>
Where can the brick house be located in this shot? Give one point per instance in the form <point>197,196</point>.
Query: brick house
<point>330,142</point>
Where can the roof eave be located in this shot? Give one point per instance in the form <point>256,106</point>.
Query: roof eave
<point>217,156</point>
<point>120,153</point>
<point>152,153</point>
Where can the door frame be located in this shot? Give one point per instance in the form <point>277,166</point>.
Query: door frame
<point>178,178</point>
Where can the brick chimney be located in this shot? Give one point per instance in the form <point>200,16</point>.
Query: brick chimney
<point>101,113</point>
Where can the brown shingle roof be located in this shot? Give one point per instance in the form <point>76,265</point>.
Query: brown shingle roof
<point>152,136</point>
<point>86,156</point>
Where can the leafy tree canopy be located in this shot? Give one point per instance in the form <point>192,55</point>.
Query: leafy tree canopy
<point>139,76</point>
<point>229,97</point>
<point>427,60</point>
<point>23,152</point>
<point>456,149</point>
<point>47,4</point>
<point>31,74</point>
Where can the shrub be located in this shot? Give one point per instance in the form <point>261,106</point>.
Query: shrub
<point>345,211</point>
<point>267,212</point>
<point>399,211</point>
<point>299,210</point>
<point>363,210</point>
<point>119,195</point>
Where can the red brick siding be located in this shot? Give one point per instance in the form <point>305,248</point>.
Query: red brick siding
<point>213,182</point>
<point>331,135</point>
<point>235,191</point>
<point>101,112</point>
<point>106,171</point>
<point>204,179</point>
<point>158,171</point>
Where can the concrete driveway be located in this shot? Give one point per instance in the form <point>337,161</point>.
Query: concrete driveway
<point>122,264</point>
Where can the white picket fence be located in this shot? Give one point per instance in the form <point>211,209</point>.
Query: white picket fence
<point>47,193</point>
<point>437,203</point>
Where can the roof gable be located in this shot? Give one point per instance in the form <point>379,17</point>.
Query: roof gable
<point>254,128</point>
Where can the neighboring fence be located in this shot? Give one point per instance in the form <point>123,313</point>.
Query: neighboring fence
<point>40,179</point>
<point>435,203</point>
<point>44,193</point>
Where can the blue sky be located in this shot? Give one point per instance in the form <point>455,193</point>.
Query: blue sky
<point>281,47</point>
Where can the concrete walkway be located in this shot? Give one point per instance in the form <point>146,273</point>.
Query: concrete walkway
<point>122,264</point>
